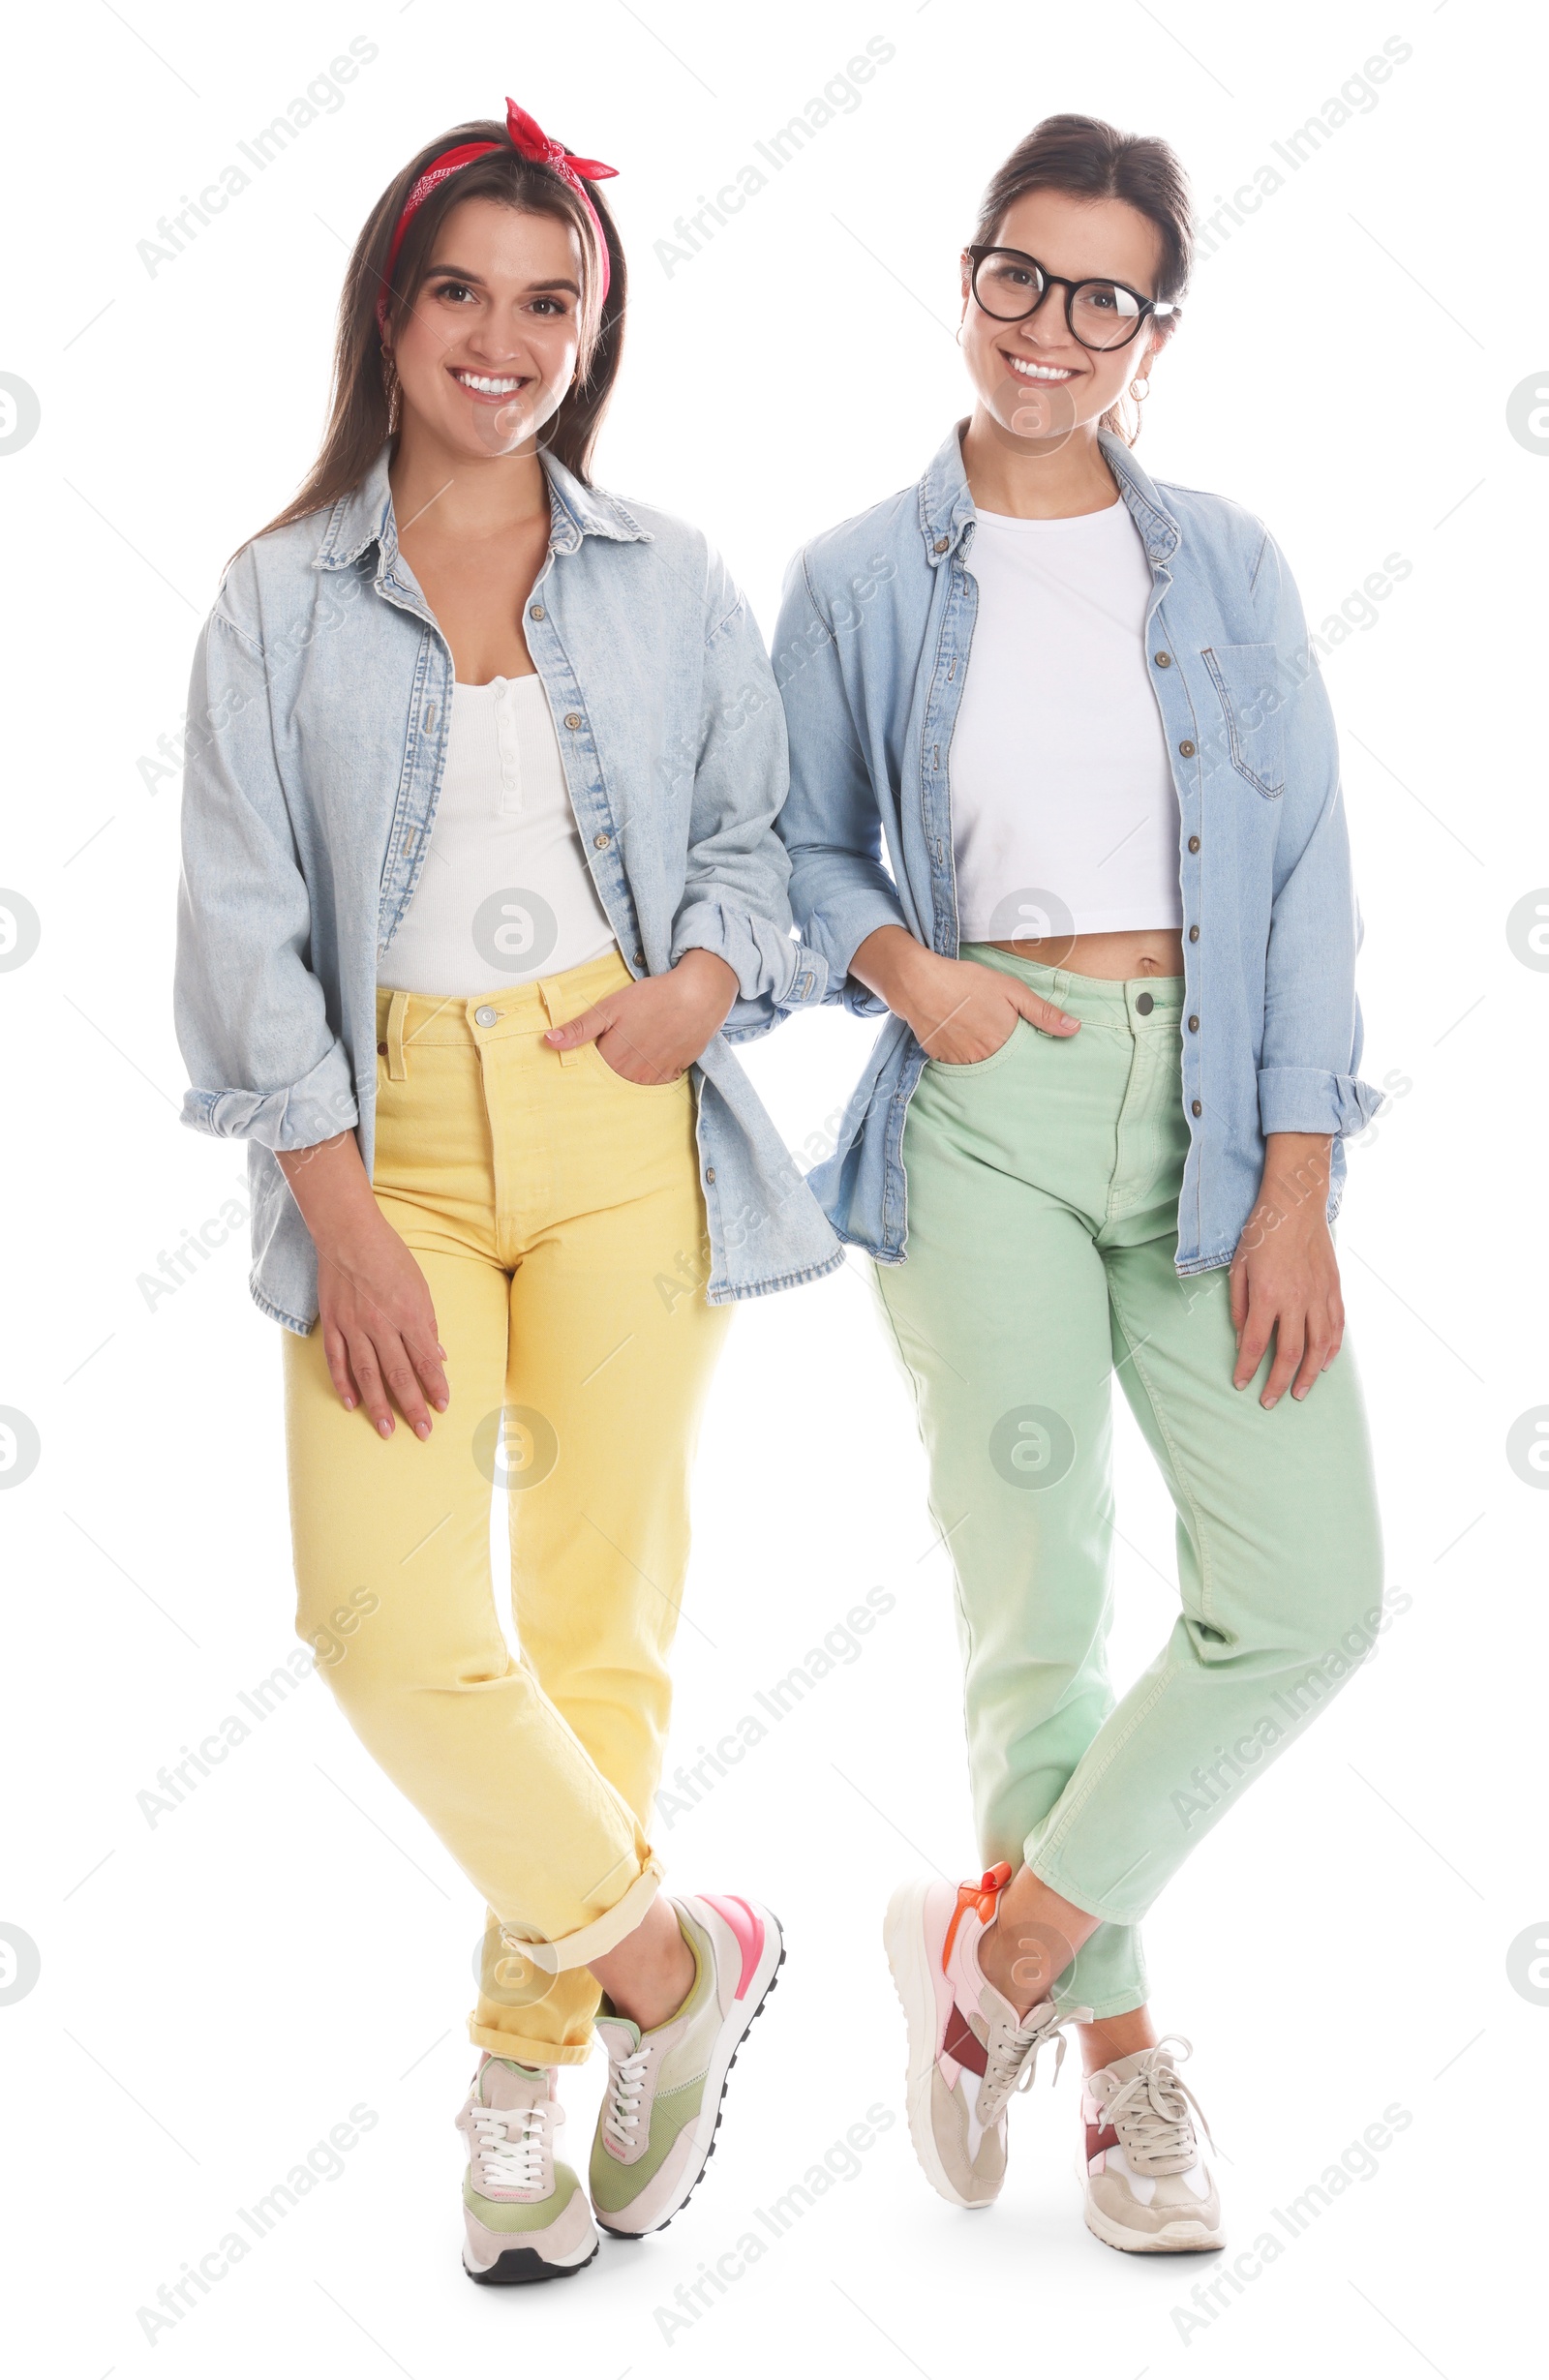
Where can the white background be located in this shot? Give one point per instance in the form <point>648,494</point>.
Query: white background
<point>216,1991</point>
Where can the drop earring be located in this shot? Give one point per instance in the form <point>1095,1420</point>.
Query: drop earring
<point>392,388</point>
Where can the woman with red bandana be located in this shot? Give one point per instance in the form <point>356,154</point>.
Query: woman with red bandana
<point>479,885</point>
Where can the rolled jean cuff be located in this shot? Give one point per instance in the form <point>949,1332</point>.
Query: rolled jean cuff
<point>527,2048</point>
<point>604,1933</point>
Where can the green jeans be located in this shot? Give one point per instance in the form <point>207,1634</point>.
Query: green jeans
<point>1042,1188</point>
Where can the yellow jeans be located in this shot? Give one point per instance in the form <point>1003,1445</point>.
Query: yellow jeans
<point>556,1212</point>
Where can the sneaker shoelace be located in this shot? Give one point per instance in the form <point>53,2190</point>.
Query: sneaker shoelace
<point>508,2158</point>
<point>1152,2114</point>
<point>1011,2060</point>
<point>626,2083</point>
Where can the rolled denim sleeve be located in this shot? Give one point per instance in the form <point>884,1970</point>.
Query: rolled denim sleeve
<point>1308,1077</point>
<point>736,900</point>
<point>831,825</point>
<point>263,1059</point>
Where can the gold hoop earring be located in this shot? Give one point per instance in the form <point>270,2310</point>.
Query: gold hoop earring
<point>1140,389</point>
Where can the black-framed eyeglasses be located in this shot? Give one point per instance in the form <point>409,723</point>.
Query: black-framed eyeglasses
<point>1010,285</point>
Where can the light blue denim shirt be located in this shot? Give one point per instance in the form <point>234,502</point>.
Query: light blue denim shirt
<point>316,740</point>
<point>870,657</point>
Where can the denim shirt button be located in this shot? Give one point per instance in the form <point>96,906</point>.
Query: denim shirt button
<point>710,1173</point>
<point>1194,842</point>
<point>941,545</point>
<point>534,611</point>
<point>573,718</point>
<point>600,842</point>
<point>638,957</point>
<point>1163,661</point>
<point>1194,1108</point>
<point>1193,1024</point>
<point>1187,749</point>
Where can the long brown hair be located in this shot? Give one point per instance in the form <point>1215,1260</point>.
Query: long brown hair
<point>1090,160</point>
<point>364,408</point>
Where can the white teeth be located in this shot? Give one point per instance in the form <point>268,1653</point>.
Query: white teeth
<point>1039,372</point>
<point>486,386</point>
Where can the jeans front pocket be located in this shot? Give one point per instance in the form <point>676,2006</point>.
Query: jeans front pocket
<point>946,1071</point>
<point>1244,680</point>
<point>644,1090</point>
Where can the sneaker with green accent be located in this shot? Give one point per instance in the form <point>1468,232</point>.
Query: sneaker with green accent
<point>657,2123</point>
<point>525,2215</point>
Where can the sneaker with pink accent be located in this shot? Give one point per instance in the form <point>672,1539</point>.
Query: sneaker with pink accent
<point>1147,2188</point>
<point>968,2048</point>
<point>525,2215</point>
<point>660,2111</point>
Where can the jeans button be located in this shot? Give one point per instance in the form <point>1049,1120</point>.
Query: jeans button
<point>486,1017</point>
<point>1144,1004</point>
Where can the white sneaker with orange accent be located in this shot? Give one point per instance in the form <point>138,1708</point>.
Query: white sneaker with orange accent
<point>968,2048</point>
<point>1147,2188</point>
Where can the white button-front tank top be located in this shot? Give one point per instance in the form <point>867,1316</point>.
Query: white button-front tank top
<point>505,894</point>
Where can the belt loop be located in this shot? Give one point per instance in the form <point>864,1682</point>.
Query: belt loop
<point>397,1063</point>
<point>567,1057</point>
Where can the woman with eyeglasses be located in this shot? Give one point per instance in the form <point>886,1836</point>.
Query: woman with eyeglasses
<point>1066,811</point>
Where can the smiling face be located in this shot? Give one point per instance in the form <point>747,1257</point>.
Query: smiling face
<point>1033,378</point>
<point>491,347</point>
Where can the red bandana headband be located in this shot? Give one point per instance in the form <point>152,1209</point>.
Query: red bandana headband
<point>531,141</point>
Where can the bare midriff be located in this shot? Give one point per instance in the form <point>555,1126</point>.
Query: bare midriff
<point>1114,959</point>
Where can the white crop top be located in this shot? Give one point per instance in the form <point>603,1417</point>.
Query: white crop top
<point>505,894</point>
<point>1065,819</point>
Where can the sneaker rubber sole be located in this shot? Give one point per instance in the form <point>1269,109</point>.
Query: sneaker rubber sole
<point>519,2266</point>
<point>1177,2240</point>
<point>717,2074</point>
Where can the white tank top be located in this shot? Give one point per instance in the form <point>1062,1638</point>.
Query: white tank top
<point>1065,819</point>
<point>506,892</point>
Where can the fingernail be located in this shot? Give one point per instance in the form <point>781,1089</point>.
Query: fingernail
<point>386,1429</point>
<point>350,1405</point>
<point>422,1430</point>
<point>439,1403</point>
